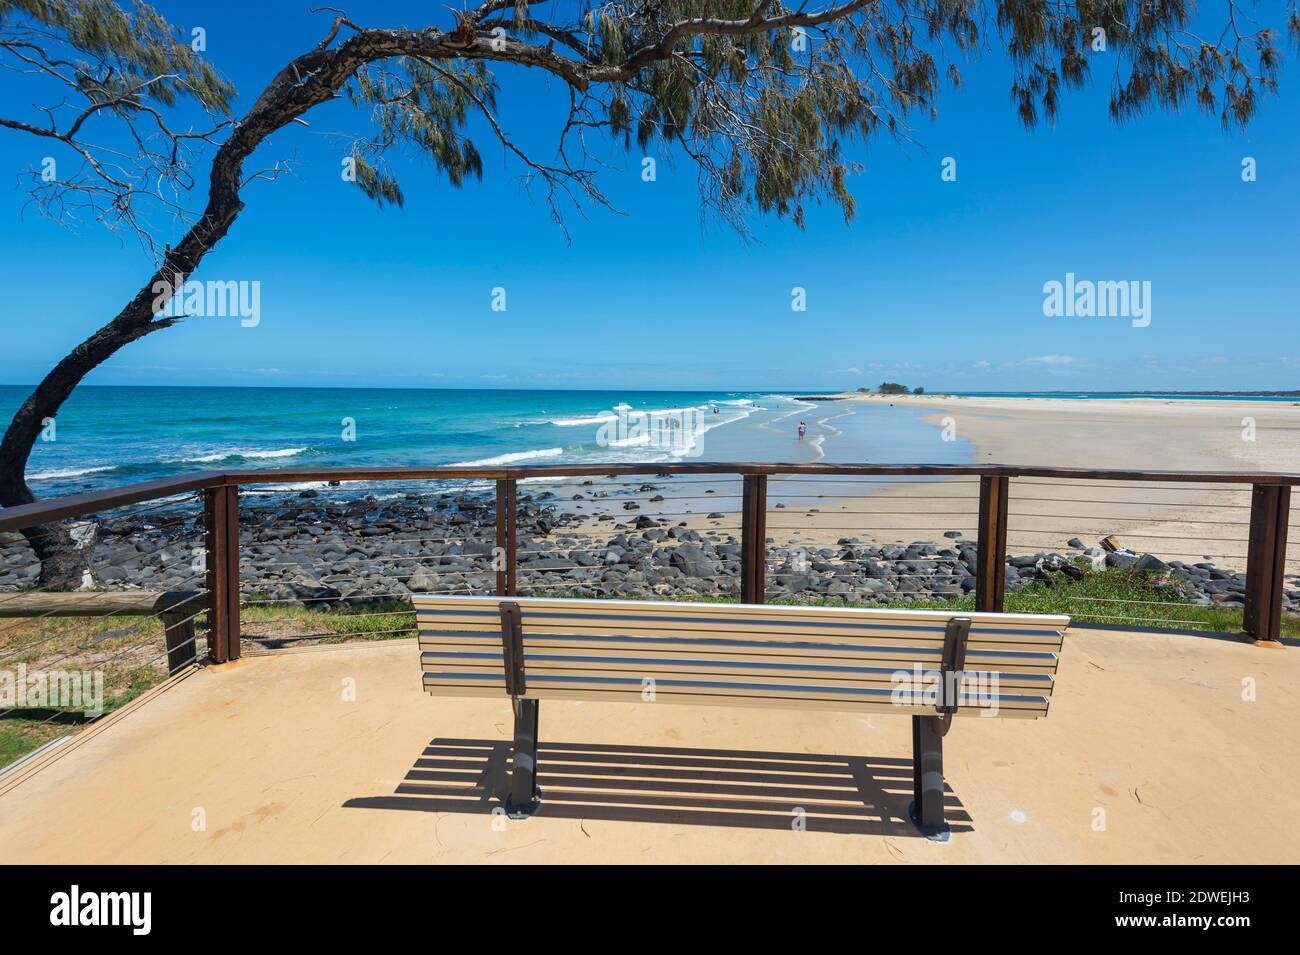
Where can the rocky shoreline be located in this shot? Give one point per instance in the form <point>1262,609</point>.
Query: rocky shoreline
<point>313,550</point>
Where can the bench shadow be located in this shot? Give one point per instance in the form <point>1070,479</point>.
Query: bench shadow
<point>745,789</point>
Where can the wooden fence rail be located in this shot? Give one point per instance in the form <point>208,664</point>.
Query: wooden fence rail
<point>177,609</point>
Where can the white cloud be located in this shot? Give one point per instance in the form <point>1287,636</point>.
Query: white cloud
<point>845,371</point>
<point>1050,360</point>
<point>981,364</point>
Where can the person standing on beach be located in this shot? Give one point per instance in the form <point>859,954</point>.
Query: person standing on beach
<point>803,429</point>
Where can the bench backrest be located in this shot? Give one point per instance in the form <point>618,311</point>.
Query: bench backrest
<point>836,658</point>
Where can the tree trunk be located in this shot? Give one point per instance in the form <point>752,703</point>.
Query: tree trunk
<point>63,560</point>
<point>312,78</point>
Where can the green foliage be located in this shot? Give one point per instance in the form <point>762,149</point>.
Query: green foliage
<point>422,105</point>
<point>772,102</point>
<point>130,54</point>
<point>892,388</point>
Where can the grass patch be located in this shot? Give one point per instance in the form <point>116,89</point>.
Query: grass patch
<point>129,651</point>
<point>1109,596</point>
<point>278,625</point>
<point>20,735</point>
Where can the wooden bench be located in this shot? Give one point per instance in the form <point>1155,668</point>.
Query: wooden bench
<point>929,664</point>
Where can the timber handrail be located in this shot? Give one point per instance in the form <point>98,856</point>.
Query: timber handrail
<point>177,609</point>
<point>78,505</point>
<point>95,603</point>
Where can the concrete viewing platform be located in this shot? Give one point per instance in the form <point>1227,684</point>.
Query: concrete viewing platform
<point>1159,748</point>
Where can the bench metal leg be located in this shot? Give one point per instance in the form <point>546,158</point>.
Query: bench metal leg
<point>524,795</point>
<point>927,778</point>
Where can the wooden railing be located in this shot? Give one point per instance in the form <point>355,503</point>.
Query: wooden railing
<point>1266,550</point>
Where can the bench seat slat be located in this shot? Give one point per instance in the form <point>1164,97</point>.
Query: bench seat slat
<point>1005,660</point>
<point>980,634</point>
<point>1048,643</point>
<point>682,634</point>
<point>487,605</point>
<point>848,699</point>
<point>760,670</point>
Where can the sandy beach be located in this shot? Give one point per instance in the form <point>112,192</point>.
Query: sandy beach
<point>1149,433</point>
<point>1174,520</point>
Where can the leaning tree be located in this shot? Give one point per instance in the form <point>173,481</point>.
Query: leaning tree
<point>765,98</point>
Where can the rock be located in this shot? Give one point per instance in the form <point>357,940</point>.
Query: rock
<point>1122,561</point>
<point>1109,543</point>
<point>692,561</point>
<point>315,596</point>
<point>953,534</point>
<point>1149,562</point>
<point>1075,543</point>
<point>423,579</point>
<point>548,563</point>
<point>872,569</point>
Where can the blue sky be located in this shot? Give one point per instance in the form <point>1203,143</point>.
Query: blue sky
<point>935,283</point>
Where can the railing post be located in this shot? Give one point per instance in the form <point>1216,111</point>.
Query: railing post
<point>1270,511</point>
<point>753,538</point>
<point>177,610</point>
<point>991,561</point>
<point>221,522</point>
<point>505,557</point>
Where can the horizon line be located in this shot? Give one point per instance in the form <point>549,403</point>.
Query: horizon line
<point>926,392</point>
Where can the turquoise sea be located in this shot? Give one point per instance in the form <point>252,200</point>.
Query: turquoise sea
<point>116,435</point>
